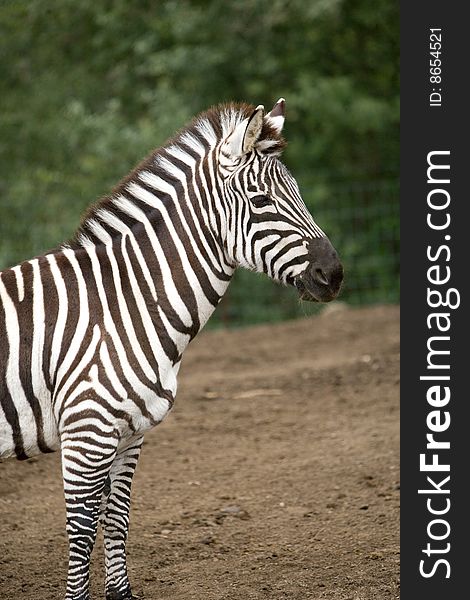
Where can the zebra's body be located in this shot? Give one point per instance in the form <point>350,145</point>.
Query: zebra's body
<point>91,335</point>
<point>66,351</point>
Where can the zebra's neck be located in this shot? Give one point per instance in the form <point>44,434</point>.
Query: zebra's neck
<point>164,223</point>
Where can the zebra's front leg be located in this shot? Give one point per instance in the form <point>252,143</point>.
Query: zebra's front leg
<point>115,520</point>
<point>86,462</point>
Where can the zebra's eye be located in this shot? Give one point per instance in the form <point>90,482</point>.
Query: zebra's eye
<point>260,201</point>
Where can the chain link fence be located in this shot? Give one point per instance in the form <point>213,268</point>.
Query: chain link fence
<point>362,221</point>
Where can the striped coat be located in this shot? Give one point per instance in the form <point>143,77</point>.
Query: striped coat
<point>92,334</point>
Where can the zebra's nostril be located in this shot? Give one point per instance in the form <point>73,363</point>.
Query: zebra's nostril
<point>321,277</point>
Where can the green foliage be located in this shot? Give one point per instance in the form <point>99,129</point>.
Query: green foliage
<point>87,89</point>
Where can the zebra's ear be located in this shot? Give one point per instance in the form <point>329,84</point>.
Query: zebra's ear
<point>276,117</point>
<point>246,134</point>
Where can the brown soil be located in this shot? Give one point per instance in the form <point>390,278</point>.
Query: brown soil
<point>275,476</point>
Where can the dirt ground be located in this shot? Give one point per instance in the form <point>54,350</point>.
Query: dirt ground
<point>275,476</point>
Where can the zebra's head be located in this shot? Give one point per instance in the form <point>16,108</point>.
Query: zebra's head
<point>269,228</point>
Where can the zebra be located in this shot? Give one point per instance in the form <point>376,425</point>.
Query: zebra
<point>92,333</point>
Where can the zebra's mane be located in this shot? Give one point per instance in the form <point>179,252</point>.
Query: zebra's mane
<point>204,132</point>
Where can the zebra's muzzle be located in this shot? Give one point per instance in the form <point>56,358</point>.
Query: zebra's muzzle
<point>304,294</point>
<point>316,287</point>
<point>321,281</point>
